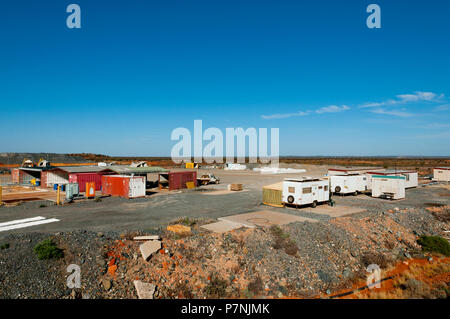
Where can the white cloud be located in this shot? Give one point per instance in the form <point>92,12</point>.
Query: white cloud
<point>284,116</point>
<point>441,108</point>
<point>332,109</point>
<point>399,113</point>
<point>325,109</point>
<point>407,98</point>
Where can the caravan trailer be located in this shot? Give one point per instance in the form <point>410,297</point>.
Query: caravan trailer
<point>348,184</point>
<point>305,191</point>
<point>391,187</point>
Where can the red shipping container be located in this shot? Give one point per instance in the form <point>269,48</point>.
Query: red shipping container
<point>83,178</point>
<point>178,180</point>
<point>123,186</point>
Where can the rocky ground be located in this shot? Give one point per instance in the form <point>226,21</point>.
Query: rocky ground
<point>295,260</point>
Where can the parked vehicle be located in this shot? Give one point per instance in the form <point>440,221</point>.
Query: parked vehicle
<point>208,179</point>
<point>348,184</point>
<point>305,191</point>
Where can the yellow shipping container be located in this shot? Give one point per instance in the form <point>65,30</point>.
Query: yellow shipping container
<point>190,165</point>
<point>272,195</point>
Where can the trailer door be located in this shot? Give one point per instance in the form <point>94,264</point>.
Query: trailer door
<point>307,195</point>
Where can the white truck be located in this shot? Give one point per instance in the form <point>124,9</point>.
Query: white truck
<point>305,191</point>
<point>348,184</point>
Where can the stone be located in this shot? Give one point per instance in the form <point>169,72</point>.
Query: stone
<point>144,290</point>
<point>106,284</point>
<point>179,229</point>
<point>149,248</point>
<point>152,237</point>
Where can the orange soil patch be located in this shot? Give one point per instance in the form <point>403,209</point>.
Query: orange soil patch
<point>417,267</point>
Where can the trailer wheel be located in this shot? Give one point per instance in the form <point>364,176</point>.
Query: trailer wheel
<point>290,199</point>
<point>314,204</point>
<point>337,189</point>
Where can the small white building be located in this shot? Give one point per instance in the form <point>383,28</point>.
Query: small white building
<point>411,177</point>
<point>388,186</point>
<point>352,170</point>
<point>348,183</point>
<point>305,191</point>
<point>235,167</point>
<point>441,174</point>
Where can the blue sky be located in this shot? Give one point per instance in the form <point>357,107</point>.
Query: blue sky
<point>136,70</point>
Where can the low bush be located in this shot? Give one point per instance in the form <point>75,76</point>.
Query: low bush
<point>4,246</point>
<point>435,244</point>
<point>47,249</point>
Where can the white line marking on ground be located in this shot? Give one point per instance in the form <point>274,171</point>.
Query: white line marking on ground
<point>39,222</point>
<point>20,221</point>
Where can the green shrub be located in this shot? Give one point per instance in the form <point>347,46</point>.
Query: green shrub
<point>4,246</point>
<point>47,249</point>
<point>434,244</point>
<point>216,287</point>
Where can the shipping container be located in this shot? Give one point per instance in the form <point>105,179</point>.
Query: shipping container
<point>272,195</point>
<point>82,178</point>
<point>391,187</point>
<point>176,180</point>
<point>441,174</point>
<point>123,186</point>
<point>305,191</point>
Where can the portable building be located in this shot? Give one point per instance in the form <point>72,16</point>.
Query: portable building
<point>235,167</point>
<point>388,186</point>
<point>441,174</point>
<point>123,186</point>
<point>305,191</point>
<point>273,194</point>
<point>61,175</point>
<point>82,178</point>
<point>411,177</point>
<point>348,183</point>
<point>176,180</point>
<point>353,170</point>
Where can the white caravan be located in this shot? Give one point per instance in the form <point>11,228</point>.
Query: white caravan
<point>391,187</point>
<point>348,184</point>
<point>305,191</point>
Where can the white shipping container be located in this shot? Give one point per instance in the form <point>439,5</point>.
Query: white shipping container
<point>392,187</point>
<point>441,174</point>
<point>348,184</point>
<point>137,187</point>
<point>305,191</point>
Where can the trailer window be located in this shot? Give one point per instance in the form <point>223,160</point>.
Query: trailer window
<point>307,190</point>
<point>291,189</point>
<point>320,187</point>
<point>325,188</point>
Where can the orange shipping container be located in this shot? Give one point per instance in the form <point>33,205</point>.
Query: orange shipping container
<point>123,186</point>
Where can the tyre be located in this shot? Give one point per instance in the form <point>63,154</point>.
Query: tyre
<point>314,204</point>
<point>337,189</point>
<point>290,199</point>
